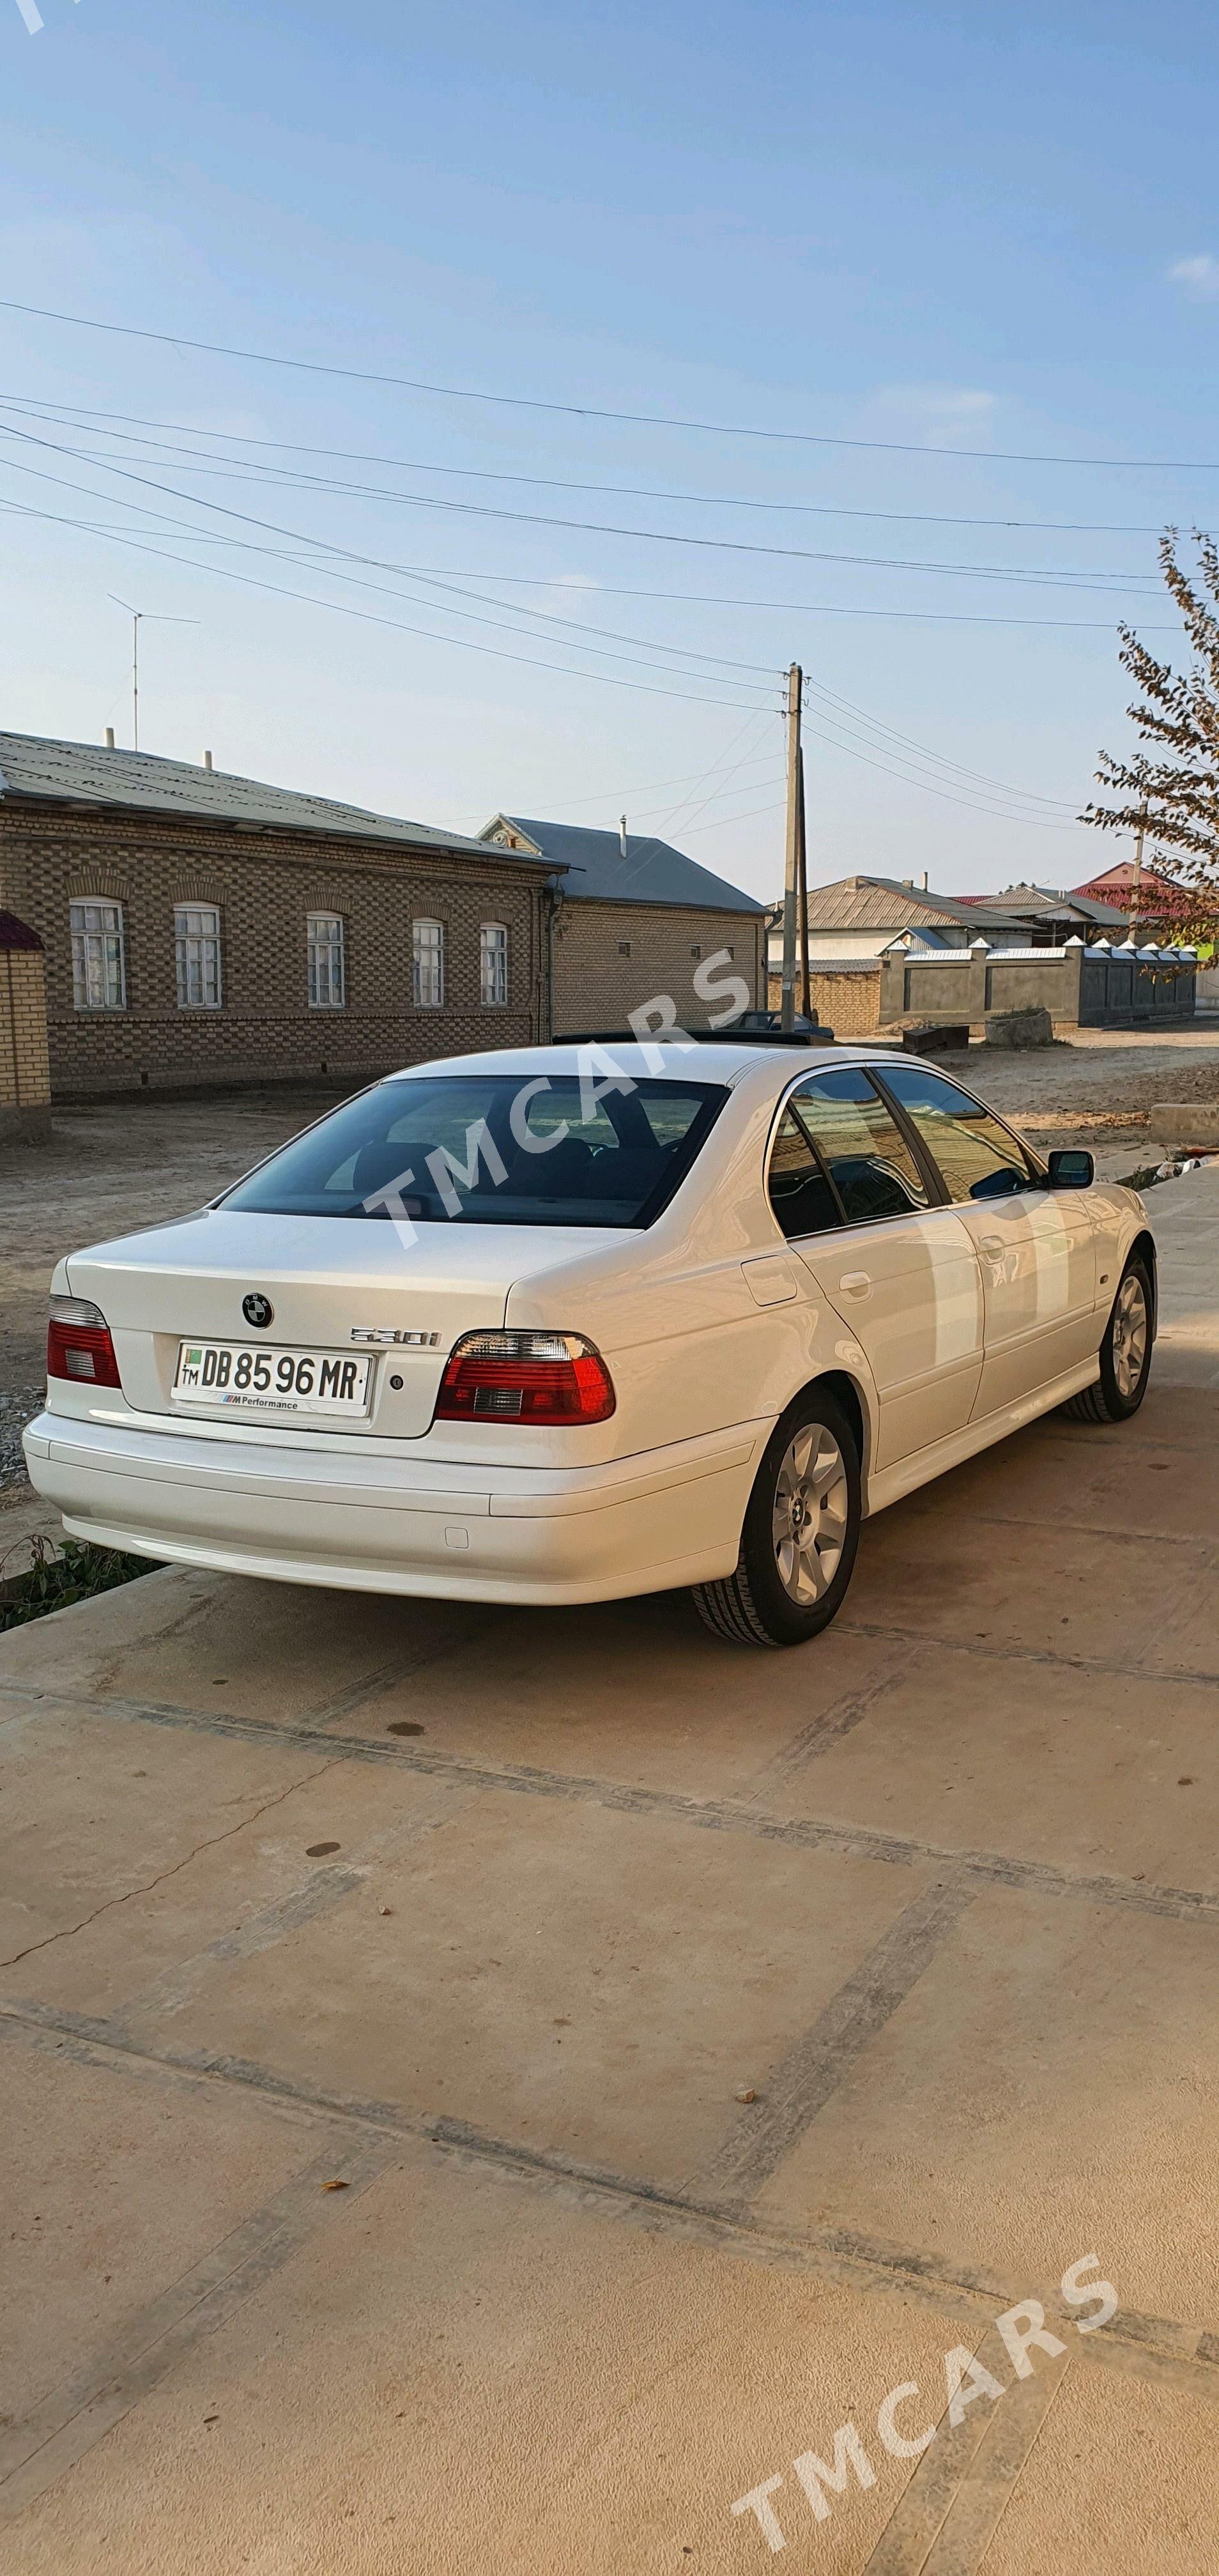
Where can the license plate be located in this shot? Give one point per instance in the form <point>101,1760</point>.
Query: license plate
<point>232,1376</point>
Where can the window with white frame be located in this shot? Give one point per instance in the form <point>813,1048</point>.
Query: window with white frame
<point>429,965</point>
<point>197,953</point>
<point>99,975</point>
<point>327,975</point>
<point>493,962</point>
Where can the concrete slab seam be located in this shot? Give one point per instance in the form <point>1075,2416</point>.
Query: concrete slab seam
<point>798,2088</point>
<point>1003,2454</point>
<point>1186,2356</point>
<point>835,1722</point>
<point>1121,1667</point>
<point>37,2452</point>
<point>963,2480</point>
<point>807,1833</point>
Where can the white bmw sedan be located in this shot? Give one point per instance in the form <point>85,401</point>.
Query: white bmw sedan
<point>565,1323</point>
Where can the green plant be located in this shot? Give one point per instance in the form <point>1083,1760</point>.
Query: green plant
<point>76,1572</point>
<point>1170,795</point>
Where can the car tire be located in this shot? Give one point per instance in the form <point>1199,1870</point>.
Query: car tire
<point>1125,1352</point>
<point>800,1533</point>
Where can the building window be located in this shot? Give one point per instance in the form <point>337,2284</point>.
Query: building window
<point>624,947</point>
<point>696,951</point>
<point>327,981</point>
<point>429,965</point>
<point>197,951</point>
<point>493,963</point>
<point>99,975</point>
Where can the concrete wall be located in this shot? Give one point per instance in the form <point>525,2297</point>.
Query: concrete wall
<point>25,1071</point>
<point>1077,987</point>
<point>964,988</point>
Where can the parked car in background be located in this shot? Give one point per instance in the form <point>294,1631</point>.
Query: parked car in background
<point>561,1324</point>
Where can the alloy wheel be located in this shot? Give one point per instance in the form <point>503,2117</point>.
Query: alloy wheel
<point>810,1514</point>
<point>1129,1343</point>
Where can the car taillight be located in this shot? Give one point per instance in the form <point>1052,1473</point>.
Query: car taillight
<point>79,1345</point>
<point>525,1377</point>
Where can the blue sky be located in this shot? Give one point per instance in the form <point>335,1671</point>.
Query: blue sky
<point>926,228</point>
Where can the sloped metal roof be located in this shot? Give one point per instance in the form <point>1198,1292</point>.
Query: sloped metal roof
<point>1025,899</point>
<point>651,872</point>
<point>1118,881</point>
<point>884,903</point>
<point>82,773</point>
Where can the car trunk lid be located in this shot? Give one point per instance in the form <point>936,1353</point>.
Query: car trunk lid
<point>330,1283</point>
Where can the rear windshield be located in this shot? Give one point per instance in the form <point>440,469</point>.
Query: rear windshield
<point>494,1149</point>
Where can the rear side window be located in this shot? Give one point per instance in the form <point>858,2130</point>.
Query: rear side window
<point>975,1154</point>
<point>493,1149</point>
<point>868,1161</point>
<point>800,1192</point>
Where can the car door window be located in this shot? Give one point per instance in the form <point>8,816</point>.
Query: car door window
<point>978,1158</point>
<point>800,1193</point>
<point>863,1150</point>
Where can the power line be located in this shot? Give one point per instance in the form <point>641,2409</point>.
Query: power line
<point>368,616</point>
<point>906,740</point>
<point>1135,584</point>
<point>68,415</point>
<point>921,753</point>
<point>1033,822</point>
<point>685,598</point>
<point>342,608</point>
<point>692,796</point>
<point>693,598</point>
<point>595,411</point>
<point>335,572</point>
<point>722,819</point>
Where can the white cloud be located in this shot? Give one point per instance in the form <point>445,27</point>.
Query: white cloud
<point>939,412</point>
<point>1199,277</point>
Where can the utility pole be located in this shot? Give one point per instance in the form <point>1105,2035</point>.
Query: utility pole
<point>137,616</point>
<point>802,867</point>
<point>795,694</point>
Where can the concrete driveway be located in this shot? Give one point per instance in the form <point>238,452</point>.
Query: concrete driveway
<point>382,1982</point>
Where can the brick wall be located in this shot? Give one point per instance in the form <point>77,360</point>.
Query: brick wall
<point>25,1077</point>
<point>264,885</point>
<point>610,958</point>
<point>848,1001</point>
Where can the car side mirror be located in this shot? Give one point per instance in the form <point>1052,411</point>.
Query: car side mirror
<point>1072,1168</point>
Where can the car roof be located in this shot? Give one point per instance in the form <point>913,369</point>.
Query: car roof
<point>725,1060</point>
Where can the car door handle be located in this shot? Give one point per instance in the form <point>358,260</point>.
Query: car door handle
<point>857,1283</point>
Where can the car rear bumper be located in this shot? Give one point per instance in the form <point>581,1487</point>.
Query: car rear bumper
<point>644,1524</point>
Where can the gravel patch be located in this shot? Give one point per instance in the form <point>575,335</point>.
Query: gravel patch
<point>18,1405</point>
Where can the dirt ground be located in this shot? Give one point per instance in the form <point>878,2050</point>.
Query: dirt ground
<point>112,1167</point>
<point>494,2091</point>
<point>1096,1089</point>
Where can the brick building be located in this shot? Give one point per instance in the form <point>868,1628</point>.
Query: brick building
<point>201,928</point>
<point>634,917</point>
<point>25,1074</point>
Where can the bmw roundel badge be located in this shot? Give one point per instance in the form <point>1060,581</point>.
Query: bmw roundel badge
<point>258,1311</point>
